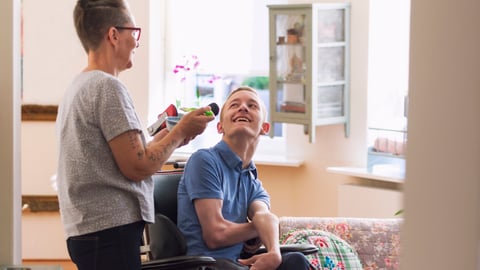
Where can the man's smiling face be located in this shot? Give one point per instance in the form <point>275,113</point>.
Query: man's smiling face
<point>243,113</point>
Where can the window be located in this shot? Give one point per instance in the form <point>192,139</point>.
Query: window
<point>217,45</point>
<point>388,83</point>
<point>388,62</point>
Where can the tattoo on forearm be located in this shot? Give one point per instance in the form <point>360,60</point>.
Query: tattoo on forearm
<point>163,152</point>
<point>140,154</point>
<point>134,143</point>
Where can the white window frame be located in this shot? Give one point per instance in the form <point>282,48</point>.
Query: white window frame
<point>268,146</point>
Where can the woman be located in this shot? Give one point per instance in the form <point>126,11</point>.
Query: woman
<point>105,165</point>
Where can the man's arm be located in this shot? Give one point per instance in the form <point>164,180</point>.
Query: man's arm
<point>217,231</point>
<point>266,225</point>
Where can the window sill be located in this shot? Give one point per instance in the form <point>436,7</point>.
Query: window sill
<point>277,160</point>
<point>270,152</point>
<point>260,159</point>
<point>385,176</point>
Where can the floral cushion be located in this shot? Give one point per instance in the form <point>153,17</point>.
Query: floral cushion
<point>377,241</point>
<point>333,253</point>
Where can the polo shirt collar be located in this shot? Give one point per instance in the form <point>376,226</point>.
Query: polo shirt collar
<point>232,160</point>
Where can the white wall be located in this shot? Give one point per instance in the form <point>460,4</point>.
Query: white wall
<point>442,192</point>
<point>51,50</point>
<point>363,201</point>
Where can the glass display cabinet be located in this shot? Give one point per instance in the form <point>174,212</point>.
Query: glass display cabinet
<point>309,65</point>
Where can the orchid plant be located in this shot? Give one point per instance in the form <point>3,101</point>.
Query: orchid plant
<point>186,71</point>
<point>189,64</point>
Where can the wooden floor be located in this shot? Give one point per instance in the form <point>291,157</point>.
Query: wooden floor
<point>65,264</point>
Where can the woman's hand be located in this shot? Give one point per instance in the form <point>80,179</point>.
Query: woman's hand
<point>194,122</point>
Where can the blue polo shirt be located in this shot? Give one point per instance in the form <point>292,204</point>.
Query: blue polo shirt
<point>216,173</point>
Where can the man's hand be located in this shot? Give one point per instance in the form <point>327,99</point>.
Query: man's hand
<point>251,246</point>
<point>265,261</point>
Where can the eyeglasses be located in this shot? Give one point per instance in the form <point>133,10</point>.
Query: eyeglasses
<point>136,31</point>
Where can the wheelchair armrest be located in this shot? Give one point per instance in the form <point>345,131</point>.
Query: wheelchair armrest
<point>306,249</point>
<point>179,263</point>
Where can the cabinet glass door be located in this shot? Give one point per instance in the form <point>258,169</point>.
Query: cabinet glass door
<point>291,64</point>
<point>329,74</point>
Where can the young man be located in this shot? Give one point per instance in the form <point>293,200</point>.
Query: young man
<point>220,191</point>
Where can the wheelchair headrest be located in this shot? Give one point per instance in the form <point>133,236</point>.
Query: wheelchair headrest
<point>165,193</point>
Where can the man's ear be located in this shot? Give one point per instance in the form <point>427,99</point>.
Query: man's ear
<point>265,128</point>
<point>219,128</point>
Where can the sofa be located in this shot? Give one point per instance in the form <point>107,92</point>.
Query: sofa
<point>375,243</point>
